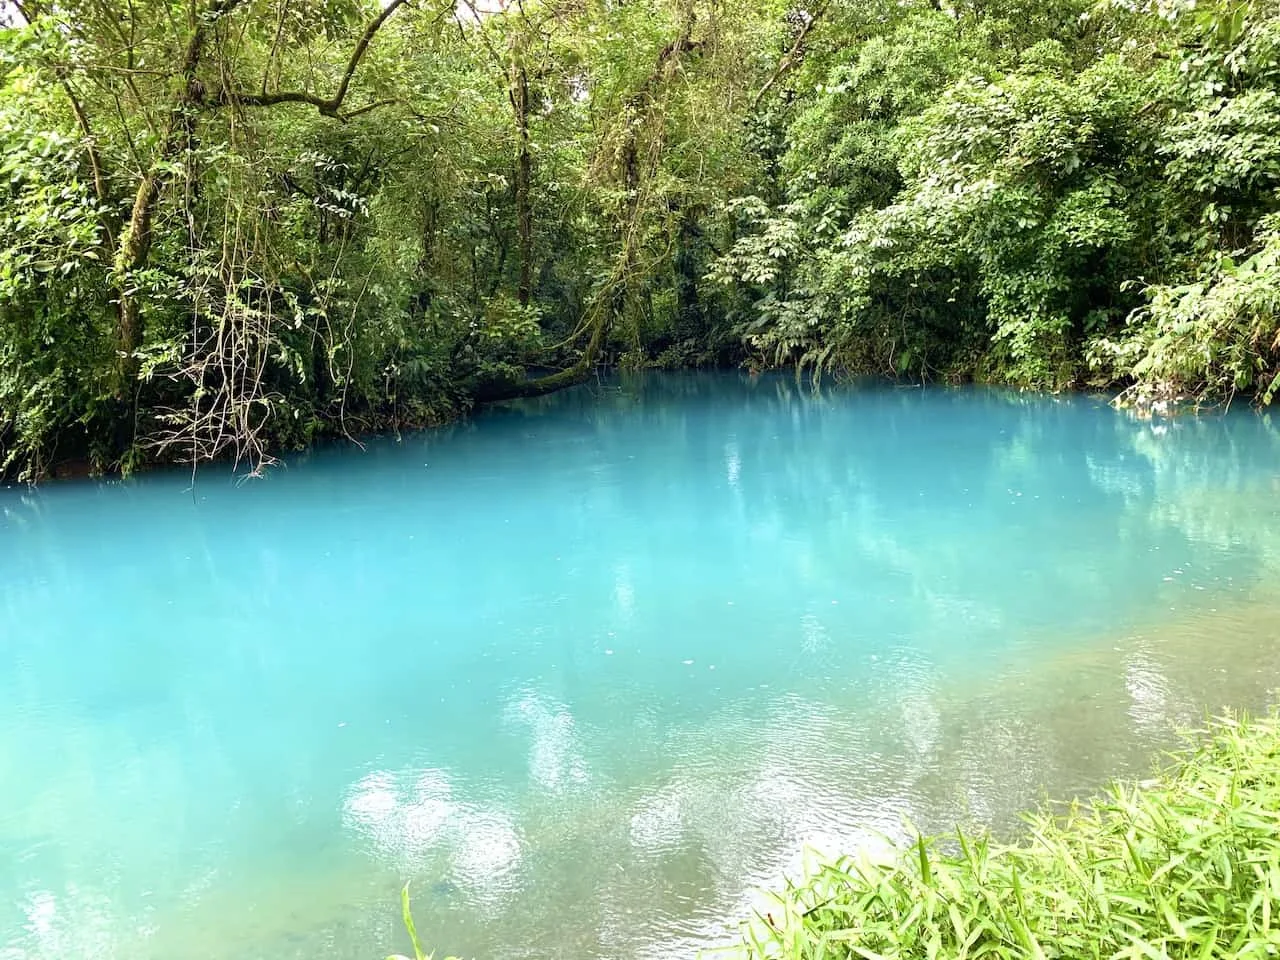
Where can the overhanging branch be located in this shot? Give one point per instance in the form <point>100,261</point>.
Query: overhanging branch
<point>329,106</point>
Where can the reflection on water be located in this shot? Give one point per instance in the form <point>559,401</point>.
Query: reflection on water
<point>587,670</point>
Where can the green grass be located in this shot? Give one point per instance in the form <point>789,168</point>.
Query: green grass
<point>1184,866</point>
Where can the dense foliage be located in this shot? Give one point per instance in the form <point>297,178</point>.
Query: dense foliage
<point>1184,866</point>
<point>233,226</point>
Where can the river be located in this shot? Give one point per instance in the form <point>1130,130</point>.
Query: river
<point>587,671</point>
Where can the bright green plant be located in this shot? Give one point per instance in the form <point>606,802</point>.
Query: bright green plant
<point>1183,866</point>
<point>406,913</point>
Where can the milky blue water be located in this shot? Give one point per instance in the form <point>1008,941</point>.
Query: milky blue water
<point>585,671</point>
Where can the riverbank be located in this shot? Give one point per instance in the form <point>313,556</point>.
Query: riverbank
<point>354,430</point>
<point>1184,865</point>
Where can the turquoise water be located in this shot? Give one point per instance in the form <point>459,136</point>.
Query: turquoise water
<point>588,669</point>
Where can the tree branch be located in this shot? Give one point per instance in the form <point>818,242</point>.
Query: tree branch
<point>350,114</point>
<point>100,188</point>
<point>791,59</point>
<point>24,11</point>
<point>484,37</point>
<point>275,46</point>
<point>329,106</point>
<point>90,143</point>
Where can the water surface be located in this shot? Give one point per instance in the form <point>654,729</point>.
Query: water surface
<point>586,670</point>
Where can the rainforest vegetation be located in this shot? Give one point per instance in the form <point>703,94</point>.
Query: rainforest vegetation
<point>231,227</point>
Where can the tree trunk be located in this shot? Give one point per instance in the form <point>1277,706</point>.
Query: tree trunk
<point>523,177</point>
<point>135,245</point>
<point>135,240</point>
<point>689,317</point>
<point>568,377</point>
<point>612,302</point>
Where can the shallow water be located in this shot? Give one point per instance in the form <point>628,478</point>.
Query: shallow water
<point>587,670</point>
